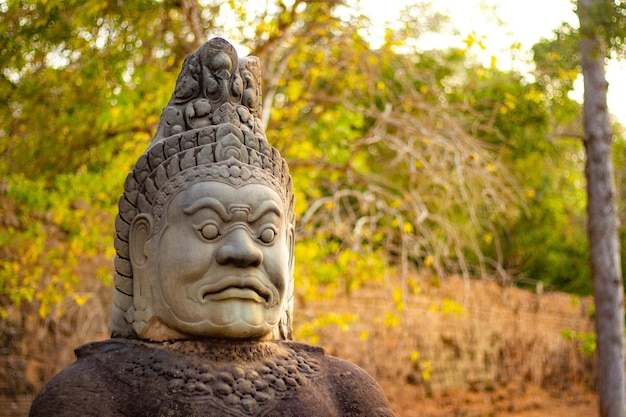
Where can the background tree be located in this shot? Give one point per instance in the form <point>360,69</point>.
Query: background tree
<point>388,174</point>
<point>340,111</point>
<point>602,24</point>
<point>76,76</point>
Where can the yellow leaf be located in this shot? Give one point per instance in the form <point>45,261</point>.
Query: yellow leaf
<point>391,320</point>
<point>293,90</point>
<point>427,369</point>
<point>80,299</point>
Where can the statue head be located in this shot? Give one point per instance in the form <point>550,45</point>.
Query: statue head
<point>205,230</point>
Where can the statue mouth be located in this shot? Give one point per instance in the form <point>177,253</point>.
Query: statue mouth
<point>235,293</point>
<point>235,287</point>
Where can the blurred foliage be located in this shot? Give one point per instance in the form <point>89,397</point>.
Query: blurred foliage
<point>309,330</point>
<point>450,307</point>
<point>586,341</point>
<point>531,123</point>
<point>401,158</point>
<point>424,366</point>
<point>608,20</point>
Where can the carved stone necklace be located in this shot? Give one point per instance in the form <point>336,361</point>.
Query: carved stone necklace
<point>246,376</point>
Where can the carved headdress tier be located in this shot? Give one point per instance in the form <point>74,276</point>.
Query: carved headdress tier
<point>214,87</point>
<point>209,131</point>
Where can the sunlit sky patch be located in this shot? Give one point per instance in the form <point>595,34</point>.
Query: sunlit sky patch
<point>500,24</point>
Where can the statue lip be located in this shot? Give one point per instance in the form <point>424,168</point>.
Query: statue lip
<point>230,287</point>
<point>234,292</point>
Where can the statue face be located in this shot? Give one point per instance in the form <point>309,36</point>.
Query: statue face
<point>220,266</point>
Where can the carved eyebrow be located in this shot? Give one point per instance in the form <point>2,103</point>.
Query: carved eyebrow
<point>211,203</point>
<point>265,207</point>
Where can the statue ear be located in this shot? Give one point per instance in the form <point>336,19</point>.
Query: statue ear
<point>140,232</point>
<point>291,241</point>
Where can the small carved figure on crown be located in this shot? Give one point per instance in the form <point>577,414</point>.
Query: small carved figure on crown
<point>214,87</point>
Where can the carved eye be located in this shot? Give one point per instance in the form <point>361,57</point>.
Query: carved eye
<point>209,231</point>
<point>268,235</point>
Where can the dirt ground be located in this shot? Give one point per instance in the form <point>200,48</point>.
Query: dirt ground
<point>409,401</point>
<point>526,401</point>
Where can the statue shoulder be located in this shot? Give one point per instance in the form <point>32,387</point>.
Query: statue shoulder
<point>117,347</point>
<point>83,388</point>
<point>356,392</point>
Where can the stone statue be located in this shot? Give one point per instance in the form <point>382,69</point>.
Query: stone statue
<point>201,322</point>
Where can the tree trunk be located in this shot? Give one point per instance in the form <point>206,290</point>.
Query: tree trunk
<point>602,226</point>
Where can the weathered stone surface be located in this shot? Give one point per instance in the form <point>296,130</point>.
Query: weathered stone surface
<point>125,377</point>
<point>209,132</point>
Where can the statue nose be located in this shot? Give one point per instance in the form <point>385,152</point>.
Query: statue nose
<point>239,249</point>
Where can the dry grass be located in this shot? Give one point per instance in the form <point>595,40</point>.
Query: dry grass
<point>475,350</point>
<point>454,350</point>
